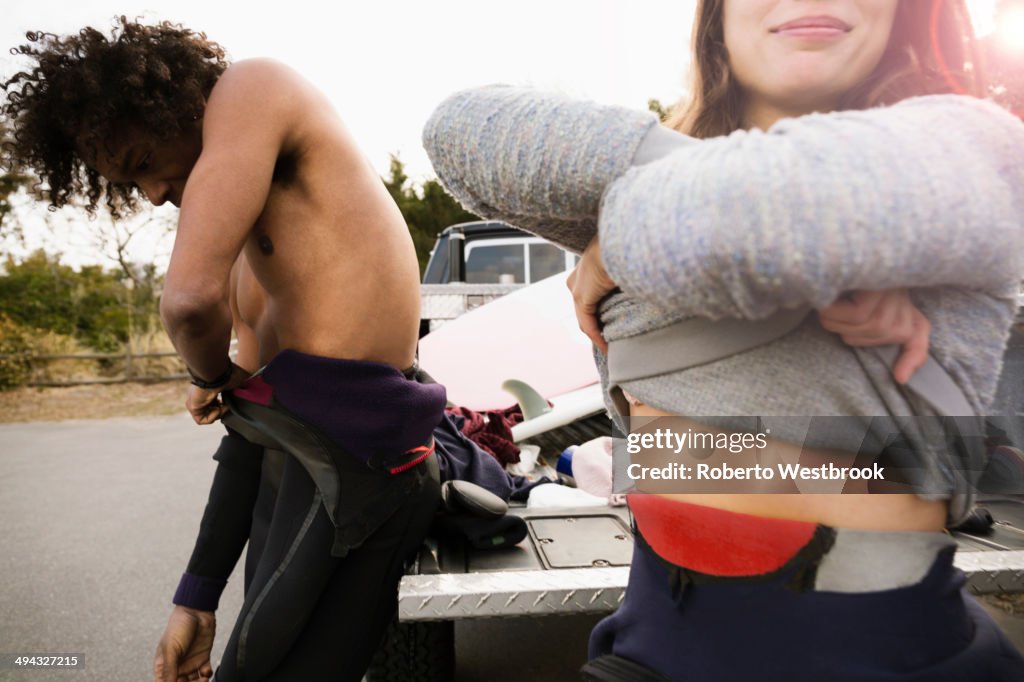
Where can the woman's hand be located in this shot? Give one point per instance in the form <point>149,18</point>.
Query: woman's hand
<point>589,284</point>
<point>882,318</point>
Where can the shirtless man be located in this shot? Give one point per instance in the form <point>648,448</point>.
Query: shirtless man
<point>327,302</point>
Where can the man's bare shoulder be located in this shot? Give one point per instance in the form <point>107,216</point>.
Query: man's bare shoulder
<point>268,77</point>
<point>262,89</point>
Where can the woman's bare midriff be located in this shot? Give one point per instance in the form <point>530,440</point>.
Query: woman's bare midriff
<point>892,512</point>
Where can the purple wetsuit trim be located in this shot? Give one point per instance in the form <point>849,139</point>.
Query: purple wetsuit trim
<point>367,408</point>
<point>199,592</point>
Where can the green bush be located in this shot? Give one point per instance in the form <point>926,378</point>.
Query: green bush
<point>15,346</point>
<point>91,304</point>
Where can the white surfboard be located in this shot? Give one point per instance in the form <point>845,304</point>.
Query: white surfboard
<point>530,335</point>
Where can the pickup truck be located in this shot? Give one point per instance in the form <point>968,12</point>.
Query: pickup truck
<point>489,252</point>
<point>474,263</point>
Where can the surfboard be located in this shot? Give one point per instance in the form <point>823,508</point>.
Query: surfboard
<point>530,335</point>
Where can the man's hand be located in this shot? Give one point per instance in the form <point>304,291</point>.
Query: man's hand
<point>882,318</point>
<point>589,284</point>
<point>204,403</point>
<point>184,650</point>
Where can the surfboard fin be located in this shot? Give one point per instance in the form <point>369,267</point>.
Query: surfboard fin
<point>530,401</point>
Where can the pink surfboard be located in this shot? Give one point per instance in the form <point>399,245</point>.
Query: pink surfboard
<point>530,335</point>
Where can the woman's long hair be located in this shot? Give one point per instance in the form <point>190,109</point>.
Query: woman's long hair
<point>931,50</point>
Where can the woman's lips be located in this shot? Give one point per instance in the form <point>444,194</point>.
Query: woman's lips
<point>811,32</point>
<point>813,27</point>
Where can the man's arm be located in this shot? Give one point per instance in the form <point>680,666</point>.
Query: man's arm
<point>203,403</point>
<point>187,641</point>
<point>247,123</point>
<point>224,529</point>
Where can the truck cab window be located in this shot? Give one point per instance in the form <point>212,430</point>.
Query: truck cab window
<point>545,260</point>
<point>486,263</point>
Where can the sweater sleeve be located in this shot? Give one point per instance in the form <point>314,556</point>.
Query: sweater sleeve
<point>926,192</point>
<point>539,161</point>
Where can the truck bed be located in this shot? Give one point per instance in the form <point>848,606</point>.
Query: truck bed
<point>994,562</point>
<point>576,560</point>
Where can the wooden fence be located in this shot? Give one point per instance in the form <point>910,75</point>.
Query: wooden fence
<point>129,371</point>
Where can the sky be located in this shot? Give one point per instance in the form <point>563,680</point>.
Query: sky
<point>386,65</point>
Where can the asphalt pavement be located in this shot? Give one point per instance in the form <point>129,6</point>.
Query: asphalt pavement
<point>99,518</point>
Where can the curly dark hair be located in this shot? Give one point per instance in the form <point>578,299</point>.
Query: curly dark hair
<point>84,88</point>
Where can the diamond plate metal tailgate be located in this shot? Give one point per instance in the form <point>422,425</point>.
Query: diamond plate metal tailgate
<point>574,562</point>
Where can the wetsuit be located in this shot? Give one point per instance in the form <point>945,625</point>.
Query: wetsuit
<point>333,488</point>
<point>720,596</point>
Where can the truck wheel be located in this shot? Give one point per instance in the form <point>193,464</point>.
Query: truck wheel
<point>415,652</point>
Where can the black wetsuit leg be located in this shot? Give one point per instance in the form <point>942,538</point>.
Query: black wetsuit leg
<point>308,615</point>
<point>263,510</point>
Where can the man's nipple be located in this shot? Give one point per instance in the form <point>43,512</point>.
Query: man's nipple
<point>266,246</point>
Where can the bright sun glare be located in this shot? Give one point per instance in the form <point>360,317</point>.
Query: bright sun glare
<point>1010,29</point>
<point>982,15</point>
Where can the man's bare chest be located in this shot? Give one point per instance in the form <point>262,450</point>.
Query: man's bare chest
<point>286,216</point>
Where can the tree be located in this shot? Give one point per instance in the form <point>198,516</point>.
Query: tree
<point>10,181</point>
<point>92,304</point>
<point>660,109</point>
<point>427,211</point>
<point>113,237</point>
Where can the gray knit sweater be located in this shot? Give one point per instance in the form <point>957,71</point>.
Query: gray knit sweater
<point>926,194</point>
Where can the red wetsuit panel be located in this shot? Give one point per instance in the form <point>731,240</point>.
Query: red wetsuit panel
<point>255,390</point>
<point>715,541</point>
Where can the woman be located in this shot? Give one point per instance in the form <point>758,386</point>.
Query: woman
<point>756,225</point>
